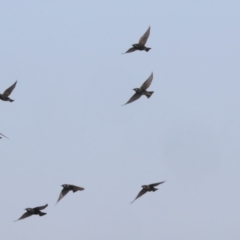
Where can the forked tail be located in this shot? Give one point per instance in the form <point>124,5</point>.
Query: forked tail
<point>42,214</point>
<point>149,94</point>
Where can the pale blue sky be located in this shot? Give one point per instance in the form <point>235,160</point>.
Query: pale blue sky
<point>67,124</point>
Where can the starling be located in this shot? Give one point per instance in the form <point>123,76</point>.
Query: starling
<point>141,44</point>
<point>67,188</point>
<point>3,136</point>
<point>33,211</point>
<point>142,90</point>
<point>7,92</point>
<point>147,188</point>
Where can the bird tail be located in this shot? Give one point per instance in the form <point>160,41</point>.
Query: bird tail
<point>147,49</point>
<point>42,214</point>
<point>155,189</point>
<point>149,94</point>
<point>10,100</point>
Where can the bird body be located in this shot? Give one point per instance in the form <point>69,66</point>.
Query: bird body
<point>5,96</point>
<point>141,43</point>
<point>142,90</point>
<point>67,188</point>
<point>33,211</point>
<point>140,47</point>
<point>147,188</point>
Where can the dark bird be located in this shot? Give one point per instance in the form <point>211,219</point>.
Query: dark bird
<point>67,188</point>
<point>147,188</point>
<point>141,43</point>
<point>7,92</point>
<point>142,90</point>
<point>33,211</point>
<point>3,136</point>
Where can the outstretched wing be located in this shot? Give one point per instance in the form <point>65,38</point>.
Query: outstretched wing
<point>41,207</point>
<point>144,38</point>
<point>133,98</point>
<point>25,215</point>
<point>143,191</point>
<point>156,184</point>
<point>132,49</point>
<point>3,135</point>
<point>147,83</point>
<point>8,91</point>
<point>62,194</point>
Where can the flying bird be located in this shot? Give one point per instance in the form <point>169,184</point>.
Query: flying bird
<point>3,136</point>
<point>7,92</point>
<point>67,188</point>
<point>147,188</point>
<point>141,43</point>
<point>142,90</point>
<point>33,211</point>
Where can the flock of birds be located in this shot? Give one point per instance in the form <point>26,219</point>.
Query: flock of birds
<point>138,93</point>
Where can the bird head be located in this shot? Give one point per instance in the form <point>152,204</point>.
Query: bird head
<point>29,210</point>
<point>65,186</point>
<point>136,89</point>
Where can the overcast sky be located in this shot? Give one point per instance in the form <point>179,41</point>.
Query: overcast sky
<point>67,124</point>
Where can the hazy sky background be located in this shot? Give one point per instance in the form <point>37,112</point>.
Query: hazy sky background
<point>67,124</point>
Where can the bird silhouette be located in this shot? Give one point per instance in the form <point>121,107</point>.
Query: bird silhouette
<point>3,136</point>
<point>142,90</point>
<point>147,188</point>
<point>33,211</point>
<point>67,188</point>
<point>7,92</point>
<point>141,43</point>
